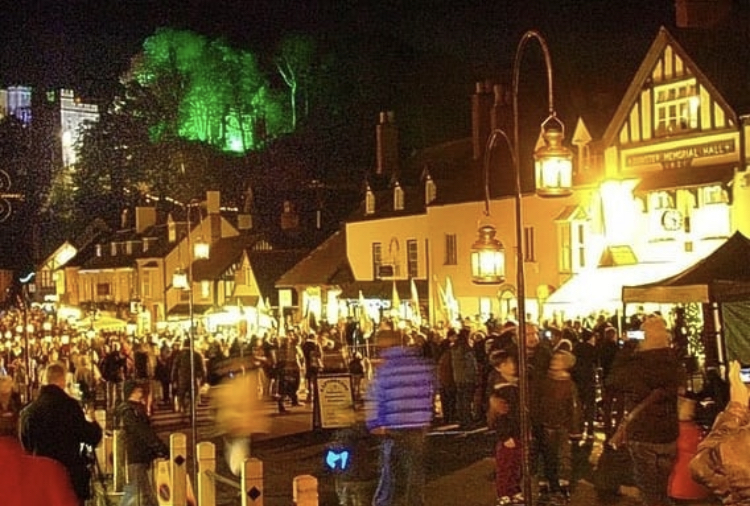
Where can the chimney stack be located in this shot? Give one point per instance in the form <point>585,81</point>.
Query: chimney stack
<point>701,13</point>
<point>386,134</point>
<point>213,208</point>
<point>481,109</point>
<point>145,217</point>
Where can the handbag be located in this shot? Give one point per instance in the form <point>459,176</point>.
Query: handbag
<point>620,437</point>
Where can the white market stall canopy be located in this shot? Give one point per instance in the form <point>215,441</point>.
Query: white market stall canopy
<point>601,288</point>
<point>103,323</point>
<point>722,276</point>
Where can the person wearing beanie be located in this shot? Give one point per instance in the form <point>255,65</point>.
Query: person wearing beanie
<point>556,409</point>
<point>652,435</point>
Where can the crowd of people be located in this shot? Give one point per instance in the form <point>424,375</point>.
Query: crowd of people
<point>582,379</point>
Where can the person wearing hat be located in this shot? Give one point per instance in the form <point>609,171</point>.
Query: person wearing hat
<point>142,444</point>
<point>652,435</point>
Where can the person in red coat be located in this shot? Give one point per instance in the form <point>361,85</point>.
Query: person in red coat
<point>29,480</point>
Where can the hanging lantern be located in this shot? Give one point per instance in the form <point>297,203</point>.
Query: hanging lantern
<point>201,249</point>
<point>487,258</point>
<point>553,162</point>
<point>180,279</point>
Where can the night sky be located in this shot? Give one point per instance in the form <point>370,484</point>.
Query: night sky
<point>86,44</point>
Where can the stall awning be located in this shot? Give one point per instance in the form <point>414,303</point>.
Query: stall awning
<point>601,288</point>
<point>184,310</point>
<point>383,289</point>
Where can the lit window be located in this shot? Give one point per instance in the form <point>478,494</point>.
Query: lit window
<point>529,254</point>
<point>677,107</point>
<point>398,198</point>
<point>370,202</point>
<point>660,200</point>
<point>430,190</point>
<point>451,253</point>
<point>714,194</point>
<point>146,285</point>
<point>205,289</point>
<point>377,259</point>
<point>412,258</point>
<point>565,251</point>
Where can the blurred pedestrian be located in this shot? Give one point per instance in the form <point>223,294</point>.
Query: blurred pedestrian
<point>399,409</point>
<point>10,407</point>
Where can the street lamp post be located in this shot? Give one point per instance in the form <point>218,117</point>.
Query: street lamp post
<point>553,169</point>
<point>184,280</point>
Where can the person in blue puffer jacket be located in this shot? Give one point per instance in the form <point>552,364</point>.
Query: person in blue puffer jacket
<point>399,406</point>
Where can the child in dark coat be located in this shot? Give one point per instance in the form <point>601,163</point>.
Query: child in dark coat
<point>558,412</point>
<point>503,416</point>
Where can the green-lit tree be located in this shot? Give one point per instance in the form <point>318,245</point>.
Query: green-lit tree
<point>202,90</point>
<point>294,61</point>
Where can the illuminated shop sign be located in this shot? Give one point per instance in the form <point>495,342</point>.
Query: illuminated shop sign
<point>683,156</point>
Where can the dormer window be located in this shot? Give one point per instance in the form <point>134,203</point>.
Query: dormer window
<point>113,249</point>
<point>398,198</point>
<point>369,201</point>
<point>129,248</point>
<point>99,250</point>
<point>430,190</point>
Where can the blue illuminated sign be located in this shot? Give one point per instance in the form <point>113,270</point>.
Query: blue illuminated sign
<point>337,459</point>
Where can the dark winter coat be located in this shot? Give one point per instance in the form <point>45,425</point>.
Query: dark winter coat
<point>637,376</point>
<point>506,424</point>
<point>555,403</point>
<point>142,444</point>
<point>181,369</point>
<point>54,426</point>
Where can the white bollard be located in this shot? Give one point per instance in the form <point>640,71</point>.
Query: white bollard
<point>206,452</point>
<point>163,482</point>
<point>305,490</point>
<point>252,483</point>
<point>178,463</point>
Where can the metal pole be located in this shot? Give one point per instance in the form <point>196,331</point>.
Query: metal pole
<point>523,377</point>
<point>27,351</point>
<point>191,337</point>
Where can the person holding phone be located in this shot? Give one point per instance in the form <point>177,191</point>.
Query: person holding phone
<point>722,463</point>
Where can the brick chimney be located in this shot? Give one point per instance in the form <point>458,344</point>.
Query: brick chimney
<point>289,217</point>
<point>701,13</point>
<point>502,115</point>
<point>145,216</point>
<point>386,136</point>
<point>213,208</point>
<point>481,108</point>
